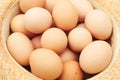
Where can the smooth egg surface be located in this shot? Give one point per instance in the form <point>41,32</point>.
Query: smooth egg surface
<point>37,23</point>
<point>71,71</point>
<point>95,57</point>
<point>28,4</point>
<point>99,24</point>
<point>20,47</point>
<point>46,64</point>
<point>54,39</point>
<point>65,15</point>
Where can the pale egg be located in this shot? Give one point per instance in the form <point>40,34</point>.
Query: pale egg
<point>83,7</point>
<point>37,20</point>
<point>81,25</point>
<point>99,24</point>
<point>95,57</point>
<point>78,38</point>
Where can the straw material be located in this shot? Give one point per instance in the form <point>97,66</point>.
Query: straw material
<point>10,70</point>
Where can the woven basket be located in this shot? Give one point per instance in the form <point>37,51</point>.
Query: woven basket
<point>11,70</point>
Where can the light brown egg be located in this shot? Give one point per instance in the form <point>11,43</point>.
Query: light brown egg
<point>83,7</point>
<point>78,38</point>
<point>36,41</point>
<point>17,25</point>
<point>95,57</point>
<point>81,25</point>
<point>49,5</point>
<point>65,15</point>
<point>68,55</point>
<point>20,47</point>
<point>71,71</point>
<point>46,64</point>
<point>54,39</point>
<point>37,20</point>
<point>99,24</point>
<point>27,4</point>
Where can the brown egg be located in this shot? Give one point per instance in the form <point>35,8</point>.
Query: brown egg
<point>27,4</point>
<point>37,20</point>
<point>20,47</point>
<point>36,41</point>
<point>68,55</point>
<point>71,71</point>
<point>99,24</point>
<point>65,15</point>
<point>78,38</point>
<point>17,25</point>
<point>46,64</point>
<point>49,5</point>
<point>54,39</point>
<point>83,7</point>
<point>95,57</point>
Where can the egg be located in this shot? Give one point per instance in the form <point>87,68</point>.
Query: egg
<point>36,41</point>
<point>95,57</point>
<point>99,24</point>
<point>83,7</point>
<point>71,71</point>
<point>50,5</point>
<point>20,47</point>
<point>65,15</point>
<point>54,39</point>
<point>17,25</point>
<point>81,25</point>
<point>68,54</point>
<point>37,20</point>
<point>46,64</point>
<point>27,4</point>
<point>78,38</point>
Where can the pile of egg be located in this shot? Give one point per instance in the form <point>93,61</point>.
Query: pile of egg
<point>60,39</point>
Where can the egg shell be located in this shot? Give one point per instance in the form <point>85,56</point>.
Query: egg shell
<point>49,5</point>
<point>17,25</point>
<point>37,20</point>
<point>20,47</point>
<point>95,57</point>
<point>54,39</point>
<point>36,41</point>
<point>68,55</point>
<point>99,24</point>
<point>46,64</point>
<point>78,38</point>
<point>71,71</point>
<point>28,4</point>
<point>65,15</point>
<point>83,7</point>
<point>81,25</point>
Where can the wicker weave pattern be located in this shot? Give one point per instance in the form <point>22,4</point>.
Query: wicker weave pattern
<point>10,71</point>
